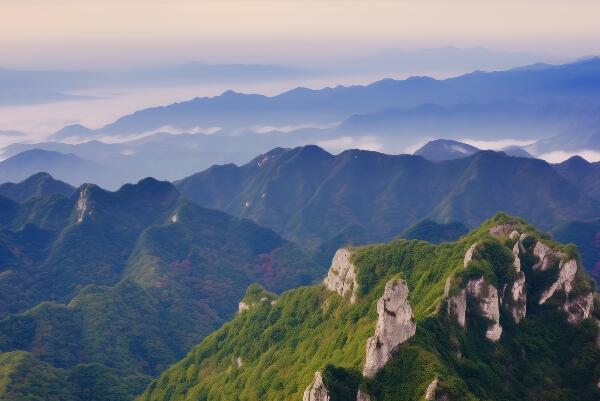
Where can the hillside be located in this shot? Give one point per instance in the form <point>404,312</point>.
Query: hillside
<point>127,280</point>
<point>502,314</point>
<point>326,201</point>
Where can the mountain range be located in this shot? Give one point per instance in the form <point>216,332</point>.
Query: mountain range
<point>543,108</point>
<point>325,201</point>
<point>100,291</point>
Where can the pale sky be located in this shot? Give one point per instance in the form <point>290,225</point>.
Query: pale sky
<point>113,33</point>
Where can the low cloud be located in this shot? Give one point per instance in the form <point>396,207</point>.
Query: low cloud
<point>337,145</point>
<point>265,129</point>
<point>497,144</point>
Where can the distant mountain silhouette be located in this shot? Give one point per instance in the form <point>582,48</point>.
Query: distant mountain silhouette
<point>68,167</point>
<point>445,149</point>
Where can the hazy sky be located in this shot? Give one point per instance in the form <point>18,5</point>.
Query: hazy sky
<point>84,33</point>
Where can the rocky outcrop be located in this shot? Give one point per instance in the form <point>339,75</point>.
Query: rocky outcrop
<point>579,308</point>
<point>341,277</point>
<point>486,295</point>
<point>456,304</point>
<point>316,391</point>
<point>514,235</point>
<point>470,254</point>
<point>242,306</point>
<point>565,280</point>
<point>394,326</point>
<point>362,396</point>
<point>518,302</point>
<point>546,255</point>
<point>430,392</point>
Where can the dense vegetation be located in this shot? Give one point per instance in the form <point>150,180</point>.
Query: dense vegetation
<point>115,288</point>
<point>271,351</point>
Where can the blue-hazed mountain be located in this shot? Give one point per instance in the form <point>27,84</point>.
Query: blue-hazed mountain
<point>435,233</point>
<point>126,281</point>
<point>324,201</point>
<point>565,89</point>
<point>37,185</point>
<point>67,167</point>
<point>445,149</point>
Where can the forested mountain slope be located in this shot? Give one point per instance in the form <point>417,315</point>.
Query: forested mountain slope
<point>126,280</point>
<point>502,314</point>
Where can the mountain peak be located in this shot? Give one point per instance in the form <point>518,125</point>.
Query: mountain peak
<point>445,149</point>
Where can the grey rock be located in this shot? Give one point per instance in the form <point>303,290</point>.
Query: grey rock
<point>579,308</point>
<point>488,302</point>
<point>341,277</point>
<point>317,390</point>
<point>394,326</point>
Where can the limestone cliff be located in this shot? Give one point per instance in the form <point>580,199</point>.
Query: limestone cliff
<point>486,296</point>
<point>341,277</point>
<point>394,326</point>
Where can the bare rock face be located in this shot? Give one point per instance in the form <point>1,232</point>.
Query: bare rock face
<point>579,308</point>
<point>362,396</point>
<point>316,391</point>
<point>565,280</point>
<point>487,297</point>
<point>518,305</point>
<point>242,306</point>
<point>394,326</point>
<point>469,254</point>
<point>430,392</point>
<point>83,204</point>
<point>547,256</point>
<point>341,277</point>
<point>502,229</point>
<point>457,304</point>
<point>514,235</point>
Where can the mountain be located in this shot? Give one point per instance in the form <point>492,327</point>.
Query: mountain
<point>68,167</point>
<point>516,151</point>
<point>122,284</point>
<point>560,89</point>
<point>502,314</point>
<point>586,234</point>
<point>583,174</point>
<point>326,201</point>
<point>436,233</point>
<point>37,185</point>
<point>445,149</point>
